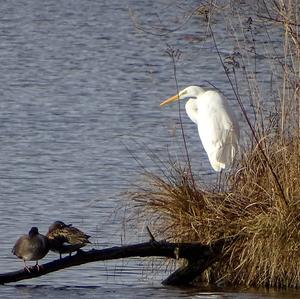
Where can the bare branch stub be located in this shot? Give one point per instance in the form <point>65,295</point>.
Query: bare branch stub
<point>152,239</point>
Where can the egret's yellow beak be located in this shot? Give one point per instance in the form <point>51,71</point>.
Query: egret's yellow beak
<point>170,100</point>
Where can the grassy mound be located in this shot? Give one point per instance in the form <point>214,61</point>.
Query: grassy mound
<point>267,222</point>
<point>261,201</point>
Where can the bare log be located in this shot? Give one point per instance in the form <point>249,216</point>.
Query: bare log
<point>198,257</point>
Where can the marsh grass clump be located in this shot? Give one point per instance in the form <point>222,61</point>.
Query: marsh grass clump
<point>267,250</point>
<point>260,203</point>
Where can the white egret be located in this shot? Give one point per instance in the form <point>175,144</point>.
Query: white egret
<point>217,125</point>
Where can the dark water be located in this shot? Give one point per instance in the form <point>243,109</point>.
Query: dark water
<point>80,89</point>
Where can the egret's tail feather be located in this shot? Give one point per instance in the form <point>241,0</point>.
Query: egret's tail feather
<point>217,166</point>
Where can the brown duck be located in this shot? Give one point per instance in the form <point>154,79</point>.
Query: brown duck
<point>65,238</point>
<point>31,247</point>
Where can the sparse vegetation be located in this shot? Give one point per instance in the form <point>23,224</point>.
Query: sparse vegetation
<point>260,202</point>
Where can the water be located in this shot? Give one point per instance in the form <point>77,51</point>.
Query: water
<point>80,89</point>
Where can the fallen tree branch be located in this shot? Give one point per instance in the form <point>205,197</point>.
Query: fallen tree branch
<point>198,257</point>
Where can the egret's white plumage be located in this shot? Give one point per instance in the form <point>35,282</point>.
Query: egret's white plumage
<point>217,125</point>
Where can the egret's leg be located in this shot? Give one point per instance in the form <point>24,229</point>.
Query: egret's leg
<point>219,180</point>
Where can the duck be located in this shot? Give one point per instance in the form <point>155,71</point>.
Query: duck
<point>65,238</point>
<point>31,247</point>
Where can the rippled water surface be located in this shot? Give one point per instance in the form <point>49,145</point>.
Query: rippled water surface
<point>80,89</point>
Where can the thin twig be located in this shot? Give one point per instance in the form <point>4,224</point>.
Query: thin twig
<point>173,55</point>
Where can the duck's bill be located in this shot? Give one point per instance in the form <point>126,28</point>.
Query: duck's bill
<point>170,100</point>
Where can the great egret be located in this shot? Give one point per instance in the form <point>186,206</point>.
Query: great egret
<point>217,125</point>
<point>31,247</point>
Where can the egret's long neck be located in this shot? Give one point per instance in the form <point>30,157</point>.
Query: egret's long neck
<point>192,109</point>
